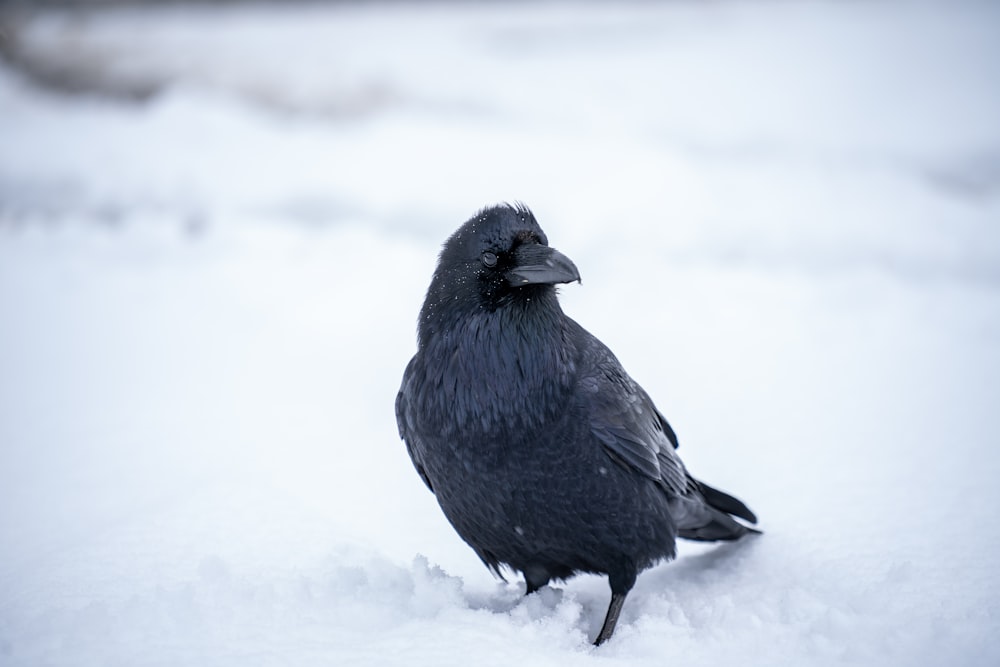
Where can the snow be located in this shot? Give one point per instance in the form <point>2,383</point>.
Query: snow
<point>786,218</point>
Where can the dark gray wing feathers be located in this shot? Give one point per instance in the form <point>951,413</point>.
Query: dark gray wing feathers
<point>624,420</point>
<point>406,432</point>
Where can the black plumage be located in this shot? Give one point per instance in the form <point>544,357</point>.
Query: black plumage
<point>543,453</point>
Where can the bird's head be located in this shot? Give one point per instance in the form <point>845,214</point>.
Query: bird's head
<point>499,256</point>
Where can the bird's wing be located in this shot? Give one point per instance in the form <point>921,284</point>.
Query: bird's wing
<point>406,431</point>
<point>625,421</point>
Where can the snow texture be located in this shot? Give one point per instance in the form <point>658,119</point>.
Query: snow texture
<point>212,255</point>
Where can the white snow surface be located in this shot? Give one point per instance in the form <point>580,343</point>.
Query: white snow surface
<point>787,219</point>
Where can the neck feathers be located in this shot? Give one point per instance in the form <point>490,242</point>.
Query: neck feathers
<point>498,369</point>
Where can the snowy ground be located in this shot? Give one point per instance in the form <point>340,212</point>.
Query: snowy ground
<point>787,219</point>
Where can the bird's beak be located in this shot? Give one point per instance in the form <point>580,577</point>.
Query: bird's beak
<point>537,264</point>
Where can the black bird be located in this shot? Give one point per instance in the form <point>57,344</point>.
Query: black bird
<point>545,456</point>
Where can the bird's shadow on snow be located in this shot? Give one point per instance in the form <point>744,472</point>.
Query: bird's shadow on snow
<point>706,561</point>
<point>709,562</point>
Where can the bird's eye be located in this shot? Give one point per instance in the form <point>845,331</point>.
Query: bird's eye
<point>489,259</point>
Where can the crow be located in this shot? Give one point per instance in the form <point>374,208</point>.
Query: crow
<point>544,455</point>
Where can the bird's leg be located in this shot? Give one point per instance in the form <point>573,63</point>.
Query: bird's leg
<point>621,580</point>
<point>611,620</point>
<point>535,576</point>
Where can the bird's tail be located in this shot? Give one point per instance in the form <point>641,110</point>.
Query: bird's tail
<point>707,515</point>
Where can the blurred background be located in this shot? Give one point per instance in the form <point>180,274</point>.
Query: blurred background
<point>217,223</point>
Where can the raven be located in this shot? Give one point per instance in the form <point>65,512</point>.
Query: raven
<point>545,456</point>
